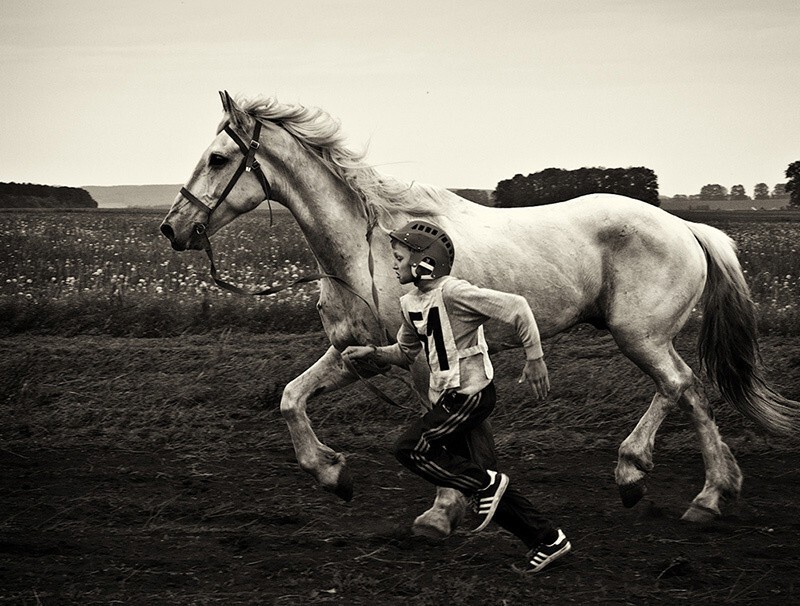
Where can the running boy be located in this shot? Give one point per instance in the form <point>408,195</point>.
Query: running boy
<point>445,316</point>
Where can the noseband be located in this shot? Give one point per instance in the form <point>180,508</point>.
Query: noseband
<point>248,164</point>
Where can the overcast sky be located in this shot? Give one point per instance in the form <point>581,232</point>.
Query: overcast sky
<point>457,94</point>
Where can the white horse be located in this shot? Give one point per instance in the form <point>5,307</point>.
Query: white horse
<point>611,261</point>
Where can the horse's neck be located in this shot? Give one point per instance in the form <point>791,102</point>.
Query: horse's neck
<point>332,220</point>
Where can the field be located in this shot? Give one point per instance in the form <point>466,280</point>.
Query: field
<point>144,459</point>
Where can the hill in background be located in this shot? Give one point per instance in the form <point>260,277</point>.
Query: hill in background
<point>139,196</point>
<point>479,196</point>
<point>162,196</point>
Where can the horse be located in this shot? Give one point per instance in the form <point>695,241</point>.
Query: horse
<point>617,263</point>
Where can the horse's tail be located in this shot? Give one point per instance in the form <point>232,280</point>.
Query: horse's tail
<point>728,346</point>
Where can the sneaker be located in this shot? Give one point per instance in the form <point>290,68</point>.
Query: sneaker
<point>547,554</point>
<point>489,498</point>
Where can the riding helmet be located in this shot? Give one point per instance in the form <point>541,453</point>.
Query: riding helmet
<point>432,251</point>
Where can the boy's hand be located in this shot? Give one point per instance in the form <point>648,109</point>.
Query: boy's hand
<point>535,373</point>
<point>355,352</point>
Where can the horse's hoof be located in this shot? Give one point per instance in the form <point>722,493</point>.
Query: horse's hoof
<point>632,493</point>
<point>344,485</point>
<point>433,524</point>
<point>698,514</point>
<point>428,531</point>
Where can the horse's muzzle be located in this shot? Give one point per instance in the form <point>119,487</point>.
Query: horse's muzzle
<point>169,233</point>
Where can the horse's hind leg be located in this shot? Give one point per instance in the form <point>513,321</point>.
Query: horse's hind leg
<point>672,378</point>
<point>676,384</point>
<point>723,477</point>
<point>635,457</point>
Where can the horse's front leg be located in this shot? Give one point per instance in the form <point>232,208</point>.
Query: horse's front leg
<point>329,468</point>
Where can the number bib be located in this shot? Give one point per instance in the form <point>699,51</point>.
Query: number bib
<point>428,315</point>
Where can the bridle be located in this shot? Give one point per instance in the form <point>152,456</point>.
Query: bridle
<point>248,164</point>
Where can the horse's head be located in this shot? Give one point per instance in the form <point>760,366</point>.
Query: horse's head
<point>226,182</point>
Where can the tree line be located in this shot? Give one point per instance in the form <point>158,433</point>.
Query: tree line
<point>715,191</point>
<point>557,185</point>
<point>29,195</point>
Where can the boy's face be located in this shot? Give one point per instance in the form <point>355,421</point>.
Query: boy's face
<point>402,262</point>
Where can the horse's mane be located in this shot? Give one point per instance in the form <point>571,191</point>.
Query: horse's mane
<point>385,197</point>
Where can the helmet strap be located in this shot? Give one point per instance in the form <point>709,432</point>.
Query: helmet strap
<point>424,269</point>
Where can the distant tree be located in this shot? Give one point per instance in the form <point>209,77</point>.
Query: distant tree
<point>28,195</point>
<point>738,193</point>
<point>512,192</point>
<point>680,197</point>
<point>793,184</point>
<point>779,191</point>
<point>556,185</point>
<point>761,191</point>
<point>713,191</point>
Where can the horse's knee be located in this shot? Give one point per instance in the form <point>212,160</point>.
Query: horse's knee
<point>289,410</point>
<point>292,402</point>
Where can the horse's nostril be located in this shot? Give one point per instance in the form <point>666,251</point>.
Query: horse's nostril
<point>167,231</point>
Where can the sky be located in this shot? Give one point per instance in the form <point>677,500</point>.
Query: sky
<point>460,94</point>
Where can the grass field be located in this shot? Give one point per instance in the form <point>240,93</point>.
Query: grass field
<point>111,272</point>
<point>144,459</point>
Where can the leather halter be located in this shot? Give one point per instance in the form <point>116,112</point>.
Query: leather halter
<point>248,164</point>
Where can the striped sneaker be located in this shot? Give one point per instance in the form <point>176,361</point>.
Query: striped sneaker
<point>488,499</point>
<point>547,554</point>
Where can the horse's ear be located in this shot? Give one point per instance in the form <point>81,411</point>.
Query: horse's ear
<point>229,105</point>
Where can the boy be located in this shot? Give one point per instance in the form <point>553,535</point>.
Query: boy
<point>445,316</point>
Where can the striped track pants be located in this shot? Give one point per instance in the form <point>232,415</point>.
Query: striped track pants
<point>452,445</point>
<point>435,445</point>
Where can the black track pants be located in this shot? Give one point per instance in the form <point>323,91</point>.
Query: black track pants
<point>451,445</point>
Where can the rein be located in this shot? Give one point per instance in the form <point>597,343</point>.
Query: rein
<point>275,289</point>
<point>250,164</point>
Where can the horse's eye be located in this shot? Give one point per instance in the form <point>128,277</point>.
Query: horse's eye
<point>217,160</point>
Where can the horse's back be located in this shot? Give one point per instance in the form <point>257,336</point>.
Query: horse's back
<point>595,258</point>
<point>594,211</point>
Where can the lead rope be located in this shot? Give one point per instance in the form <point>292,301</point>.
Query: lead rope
<point>312,278</point>
<point>272,289</point>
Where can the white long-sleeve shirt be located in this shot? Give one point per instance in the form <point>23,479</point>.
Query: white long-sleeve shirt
<point>446,317</point>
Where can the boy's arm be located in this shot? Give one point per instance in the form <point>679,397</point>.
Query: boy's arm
<point>512,309</point>
<point>506,307</point>
<point>401,353</point>
<point>386,354</point>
